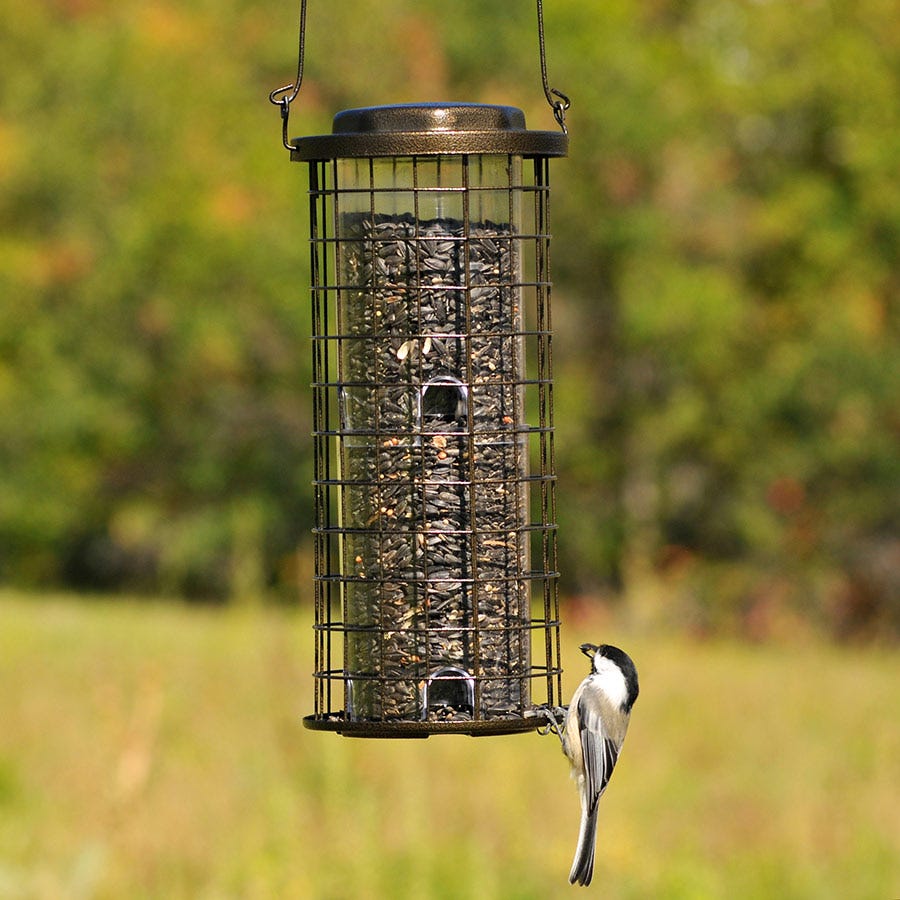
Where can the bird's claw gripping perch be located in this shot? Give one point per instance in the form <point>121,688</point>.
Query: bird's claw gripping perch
<point>556,717</point>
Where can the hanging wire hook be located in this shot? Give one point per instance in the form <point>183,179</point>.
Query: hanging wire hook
<point>561,103</point>
<point>283,97</point>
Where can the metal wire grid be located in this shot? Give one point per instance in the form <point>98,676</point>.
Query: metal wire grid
<point>535,508</point>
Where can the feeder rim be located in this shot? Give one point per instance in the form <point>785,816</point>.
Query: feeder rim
<point>415,729</point>
<point>429,129</point>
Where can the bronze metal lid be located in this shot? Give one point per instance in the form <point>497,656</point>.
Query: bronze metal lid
<point>429,129</point>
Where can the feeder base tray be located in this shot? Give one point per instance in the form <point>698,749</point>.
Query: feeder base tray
<point>408,729</point>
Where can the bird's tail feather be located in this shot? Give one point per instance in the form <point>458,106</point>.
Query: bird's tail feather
<point>583,864</point>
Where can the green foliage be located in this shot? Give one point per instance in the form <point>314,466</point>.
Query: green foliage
<point>726,232</point>
<point>155,335</point>
<point>740,279</point>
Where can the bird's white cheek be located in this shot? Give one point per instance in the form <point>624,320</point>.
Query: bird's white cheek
<point>613,682</point>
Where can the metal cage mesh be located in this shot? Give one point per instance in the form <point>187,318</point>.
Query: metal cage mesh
<point>436,606</point>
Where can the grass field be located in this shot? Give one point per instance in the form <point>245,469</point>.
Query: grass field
<point>151,750</point>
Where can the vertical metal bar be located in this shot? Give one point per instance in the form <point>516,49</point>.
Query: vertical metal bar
<point>551,433</point>
<point>383,614</point>
<point>540,288</point>
<point>548,467</point>
<point>332,271</point>
<point>474,593</point>
<point>329,225</point>
<point>319,270</point>
<point>422,592</point>
<point>521,585</point>
<point>317,548</point>
<point>551,436</point>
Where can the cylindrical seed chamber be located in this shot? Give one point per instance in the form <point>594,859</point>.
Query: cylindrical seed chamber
<point>435,455</point>
<point>428,511</point>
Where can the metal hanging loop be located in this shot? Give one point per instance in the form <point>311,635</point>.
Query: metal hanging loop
<point>284,96</point>
<point>558,101</point>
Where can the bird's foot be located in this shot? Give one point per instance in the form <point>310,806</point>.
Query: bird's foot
<point>555,717</point>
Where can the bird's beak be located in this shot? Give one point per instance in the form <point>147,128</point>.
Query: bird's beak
<point>589,650</point>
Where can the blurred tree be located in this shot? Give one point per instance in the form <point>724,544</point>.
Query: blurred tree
<point>741,276</point>
<point>155,345</point>
<point>726,237</point>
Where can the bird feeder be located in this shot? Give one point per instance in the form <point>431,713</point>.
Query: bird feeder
<point>436,607</point>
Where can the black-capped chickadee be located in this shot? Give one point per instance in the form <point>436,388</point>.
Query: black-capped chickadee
<point>595,727</point>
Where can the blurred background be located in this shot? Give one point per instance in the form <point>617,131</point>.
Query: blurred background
<point>726,238</point>
<point>725,257</point>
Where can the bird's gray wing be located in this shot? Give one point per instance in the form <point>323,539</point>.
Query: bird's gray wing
<point>600,752</point>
